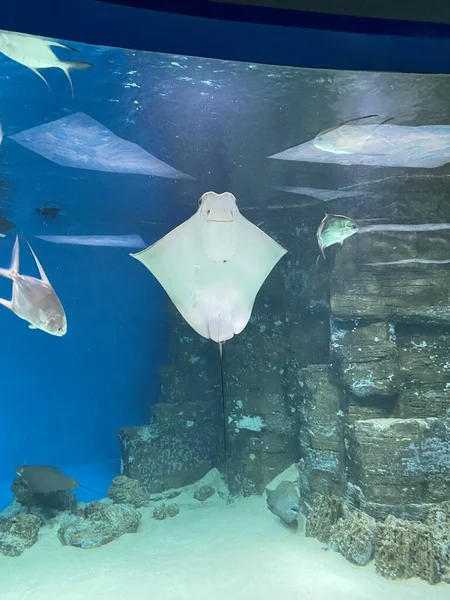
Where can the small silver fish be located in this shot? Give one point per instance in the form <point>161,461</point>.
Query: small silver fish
<point>284,502</point>
<point>35,53</point>
<point>34,300</point>
<point>334,229</point>
<point>348,137</point>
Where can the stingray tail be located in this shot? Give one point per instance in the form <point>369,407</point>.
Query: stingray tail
<point>91,490</point>
<point>66,66</point>
<point>224,405</point>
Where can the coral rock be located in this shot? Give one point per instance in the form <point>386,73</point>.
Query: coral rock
<point>124,490</point>
<point>204,492</point>
<point>173,510</point>
<point>102,524</point>
<point>18,533</point>
<point>404,549</point>
<point>353,537</point>
<point>325,512</point>
<point>160,512</point>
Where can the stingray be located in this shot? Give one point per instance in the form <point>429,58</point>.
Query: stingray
<point>41,479</point>
<point>213,265</point>
<point>81,142</point>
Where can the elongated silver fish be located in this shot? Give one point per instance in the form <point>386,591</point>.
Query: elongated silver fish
<point>35,53</point>
<point>334,229</point>
<point>284,502</point>
<point>348,137</point>
<point>34,300</point>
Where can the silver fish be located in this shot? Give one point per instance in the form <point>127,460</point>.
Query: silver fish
<point>34,300</point>
<point>334,229</point>
<point>35,53</point>
<point>117,241</point>
<point>284,502</point>
<point>348,137</point>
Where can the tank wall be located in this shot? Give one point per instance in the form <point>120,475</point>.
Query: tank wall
<point>65,398</point>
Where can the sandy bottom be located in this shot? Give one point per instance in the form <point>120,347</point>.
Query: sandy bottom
<point>237,551</point>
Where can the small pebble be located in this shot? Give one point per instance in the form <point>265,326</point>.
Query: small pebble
<point>204,492</point>
<point>160,512</point>
<point>173,510</point>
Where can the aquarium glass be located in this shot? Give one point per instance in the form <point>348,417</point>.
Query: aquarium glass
<point>225,328</point>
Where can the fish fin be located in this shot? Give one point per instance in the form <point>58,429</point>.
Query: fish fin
<point>31,327</point>
<point>66,66</point>
<point>14,267</point>
<point>41,76</point>
<point>345,123</point>
<point>7,303</point>
<point>39,266</point>
<point>59,45</point>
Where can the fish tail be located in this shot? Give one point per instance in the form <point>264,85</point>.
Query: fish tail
<point>91,490</point>
<point>66,66</point>
<point>13,270</point>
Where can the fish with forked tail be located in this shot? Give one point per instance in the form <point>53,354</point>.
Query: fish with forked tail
<point>34,300</point>
<point>35,53</point>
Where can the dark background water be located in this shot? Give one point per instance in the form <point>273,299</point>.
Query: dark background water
<point>218,121</point>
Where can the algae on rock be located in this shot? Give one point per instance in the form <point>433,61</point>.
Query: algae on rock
<point>353,537</point>
<point>325,512</point>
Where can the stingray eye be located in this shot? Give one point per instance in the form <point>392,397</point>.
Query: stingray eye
<point>207,212</point>
<point>224,261</point>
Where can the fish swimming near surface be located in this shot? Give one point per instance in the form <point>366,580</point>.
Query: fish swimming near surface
<point>34,300</point>
<point>350,136</point>
<point>35,53</point>
<point>334,229</point>
<point>284,502</point>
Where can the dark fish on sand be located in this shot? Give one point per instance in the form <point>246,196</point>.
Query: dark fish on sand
<point>41,479</point>
<point>334,229</point>
<point>284,502</point>
<point>34,300</point>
